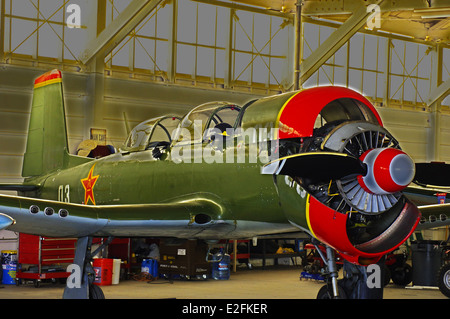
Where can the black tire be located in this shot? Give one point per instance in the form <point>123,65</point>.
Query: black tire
<point>324,293</point>
<point>444,279</point>
<point>95,292</point>
<point>402,275</point>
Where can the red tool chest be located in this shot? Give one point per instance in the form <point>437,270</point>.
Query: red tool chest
<point>45,257</point>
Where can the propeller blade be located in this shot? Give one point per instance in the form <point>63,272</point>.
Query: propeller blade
<point>318,166</point>
<point>434,173</point>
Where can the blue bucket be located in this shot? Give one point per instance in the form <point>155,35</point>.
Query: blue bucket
<point>150,266</point>
<point>9,267</point>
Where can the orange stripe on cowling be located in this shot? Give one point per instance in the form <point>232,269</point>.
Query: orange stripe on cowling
<point>53,76</point>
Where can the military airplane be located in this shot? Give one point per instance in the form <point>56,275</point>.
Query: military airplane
<point>316,161</point>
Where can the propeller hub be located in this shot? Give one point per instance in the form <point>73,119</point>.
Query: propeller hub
<point>389,170</point>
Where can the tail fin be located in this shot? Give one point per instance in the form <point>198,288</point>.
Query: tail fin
<point>47,147</point>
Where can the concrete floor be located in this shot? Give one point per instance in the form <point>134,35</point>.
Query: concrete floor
<point>281,282</point>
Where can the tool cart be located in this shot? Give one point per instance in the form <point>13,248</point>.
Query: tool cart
<point>44,258</point>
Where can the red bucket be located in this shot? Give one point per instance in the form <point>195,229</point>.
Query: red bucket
<point>103,271</point>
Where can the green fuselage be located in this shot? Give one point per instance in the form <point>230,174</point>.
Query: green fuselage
<point>248,200</point>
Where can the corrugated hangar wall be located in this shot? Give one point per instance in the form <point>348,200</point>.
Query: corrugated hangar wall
<point>143,100</point>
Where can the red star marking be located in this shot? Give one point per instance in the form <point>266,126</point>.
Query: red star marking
<point>88,184</point>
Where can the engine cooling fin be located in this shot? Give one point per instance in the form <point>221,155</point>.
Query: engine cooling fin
<point>351,190</point>
<point>355,139</point>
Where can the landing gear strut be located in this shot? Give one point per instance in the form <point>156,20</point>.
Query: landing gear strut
<point>333,272</point>
<point>80,282</point>
<point>357,282</point>
<point>331,290</point>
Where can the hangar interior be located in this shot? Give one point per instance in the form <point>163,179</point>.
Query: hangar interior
<point>125,61</point>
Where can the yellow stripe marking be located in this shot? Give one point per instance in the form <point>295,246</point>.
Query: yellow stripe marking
<point>307,215</point>
<point>277,123</point>
<point>52,81</point>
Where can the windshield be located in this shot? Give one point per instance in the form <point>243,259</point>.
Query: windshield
<point>151,132</point>
<point>197,124</point>
<point>163,131</point>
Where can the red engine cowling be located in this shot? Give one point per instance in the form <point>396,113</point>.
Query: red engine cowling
<point>332,228</point>
<point>363,216</point>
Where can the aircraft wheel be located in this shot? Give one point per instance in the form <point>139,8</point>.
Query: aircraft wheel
<point>444,280</point>
<point>325,293</point>
<point>37,283</point>
<point>95,292</point>
<point>402,275</point>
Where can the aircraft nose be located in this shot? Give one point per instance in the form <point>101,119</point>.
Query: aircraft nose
<point>389,171</point>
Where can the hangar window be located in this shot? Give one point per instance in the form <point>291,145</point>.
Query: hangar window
<point>43,30</point>
<point>198,125</point>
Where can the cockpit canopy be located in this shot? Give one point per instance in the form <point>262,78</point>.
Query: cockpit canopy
<point>150,133</point>
<point>199,123</point>
<point>284,116</point>
<point>194,127</point>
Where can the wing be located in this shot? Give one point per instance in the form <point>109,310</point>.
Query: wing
<point>434,216</point>
<point>185,217</point>
<point>424,195</point>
